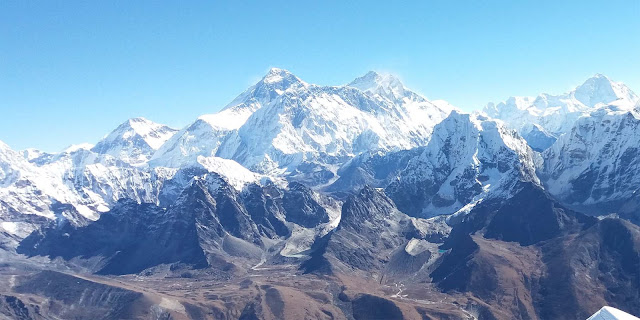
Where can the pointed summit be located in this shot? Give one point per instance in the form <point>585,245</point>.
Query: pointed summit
<point>280,79</point>
<point>135,140</point>
<point>276,82</point>
<point>373,81</point>
<point>276,75</point>
<point>383,84</point>
<point>601,89</point>
<point>78,146</point>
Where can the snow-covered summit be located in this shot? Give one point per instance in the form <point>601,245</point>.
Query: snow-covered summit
<point>78,146</point>
<point>282,77</point>
<point>556,114</point>
<point>205,136</point>
<point>134,141</point>
<point>599,89</point>
<point>385,85</point>
<point>282,123</point>
<point>468,157</point>
<point>276,82</point>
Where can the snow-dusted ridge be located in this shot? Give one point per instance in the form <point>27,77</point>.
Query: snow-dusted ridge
<point>556,114</point>
<point>597,161</point>
<point>283,125</point>
<point>468,158</point>
<point>283,129</point>
<point>279,127</point>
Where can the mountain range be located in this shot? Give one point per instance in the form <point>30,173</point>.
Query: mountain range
<point>356,201</point>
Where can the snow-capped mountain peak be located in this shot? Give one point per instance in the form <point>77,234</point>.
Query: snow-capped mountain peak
<point>78,146</point>
<point>204,136</point>
<point>153,133</point>
<point>374,80</point>
<point>600,89</point>
<point>282,122</point>
<point>556,114</point>
<point>468,158</point>
<point>135,140</point>
<point>276,82</point>
<point>382,84</point>
<point>282,76</point>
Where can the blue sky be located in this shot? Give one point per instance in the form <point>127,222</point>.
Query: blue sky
<point>71,71</point>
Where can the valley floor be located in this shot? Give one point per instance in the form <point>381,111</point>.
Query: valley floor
<point>29,291</point>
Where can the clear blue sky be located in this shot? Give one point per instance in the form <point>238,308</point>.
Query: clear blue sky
<point>71,71</point>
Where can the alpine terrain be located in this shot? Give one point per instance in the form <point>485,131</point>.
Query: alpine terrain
<point>358,201</point>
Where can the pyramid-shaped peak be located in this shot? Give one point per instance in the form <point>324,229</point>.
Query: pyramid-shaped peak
<point>139,120</point>
<point>597,79</point>
<point>278,71</point>
<point>138,126</point>
<point>79,146</point>
<point>278,75</point>
<point>601,89</point>
<point>276,82</point>
<point>373,81</point>
<point>134,140</point>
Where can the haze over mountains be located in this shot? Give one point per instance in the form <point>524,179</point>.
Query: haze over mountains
<point>353,201</point>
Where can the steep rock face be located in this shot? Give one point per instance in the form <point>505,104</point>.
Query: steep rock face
<point>528,217</point>
<point>373,168</point>
<point>599,266</point>
<point>523,255</point>
<point>595,166</point>
<point>475,261</point>
<point>264,205</point>
<point>467,158</point>
<point>537,138</point>
<point>131,238</point>
<point>78,185</point>
<point>75,185</point>
<point>372,237</point>
<point>492,253</point>
<point>556,114</point>
<point>302,208</point>
<point>21,190</point>
<point>210,220</point>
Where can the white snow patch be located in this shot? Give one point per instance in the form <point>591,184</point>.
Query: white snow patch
<point>609,313</point>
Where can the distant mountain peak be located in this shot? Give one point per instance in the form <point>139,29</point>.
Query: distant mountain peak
<point>601,89</point>
<point>79,146</point>
<point>139,121</point>
<point>280,79</point>
<point>275,83</point>
<point>597,89</point>
<point>277,75</point>
<point>134,140</point>
<point>384,84</point>
<point>557,113</point>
